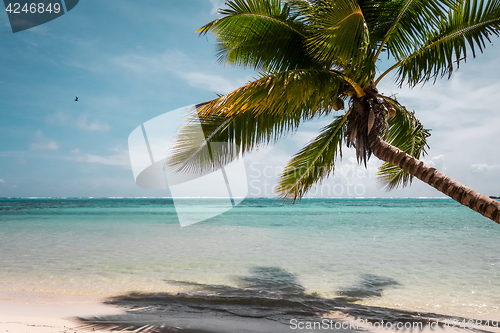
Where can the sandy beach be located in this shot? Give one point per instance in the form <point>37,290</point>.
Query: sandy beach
<point>48,314</point>
<point>63,314</point>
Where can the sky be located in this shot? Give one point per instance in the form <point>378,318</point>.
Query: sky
<point>130,61</point>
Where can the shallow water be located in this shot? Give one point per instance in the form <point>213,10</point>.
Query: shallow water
<point>429,255</point>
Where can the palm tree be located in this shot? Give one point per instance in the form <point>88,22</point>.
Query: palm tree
<point>316,57</point>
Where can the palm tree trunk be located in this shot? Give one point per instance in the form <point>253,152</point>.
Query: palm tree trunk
<point>466,196</point>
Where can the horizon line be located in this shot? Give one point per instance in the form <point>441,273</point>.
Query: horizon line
<point>220,198</point>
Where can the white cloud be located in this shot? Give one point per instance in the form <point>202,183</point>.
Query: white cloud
<point>61,118</point>
<point>43,143</point>
<point>150,64</point>
<point>106,160</point>
<point>175,62</point>
<point>436,162</point>
<point>484,167</point>
<point>94,126</point>
<point>216,4</point>
<point>49,145</point>
<point>58,118</point>
<point>119,158</point>
<point>2,181</point>
<point>213,83</point>
<point>463,114</point>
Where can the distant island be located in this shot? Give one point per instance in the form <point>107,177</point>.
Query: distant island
<point>494,197</point>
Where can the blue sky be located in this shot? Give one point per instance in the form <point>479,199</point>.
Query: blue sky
<point>129,61</point>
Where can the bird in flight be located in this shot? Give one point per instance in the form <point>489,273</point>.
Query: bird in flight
<point>76,99</point>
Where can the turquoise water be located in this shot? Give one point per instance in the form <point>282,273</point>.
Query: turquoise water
<point>414,254</point>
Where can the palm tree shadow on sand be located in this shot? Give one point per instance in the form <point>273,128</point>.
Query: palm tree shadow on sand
<point>268,300</point>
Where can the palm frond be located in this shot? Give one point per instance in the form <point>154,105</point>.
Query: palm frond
<point>468,26</point>
<point>340,35</point>
<point>259,113</point>
<point>407,133</point>
<point>262,34</point>
<point>407,22</point>
<point>314,162</point>
<point>225,139</point>
<point>379,17</point>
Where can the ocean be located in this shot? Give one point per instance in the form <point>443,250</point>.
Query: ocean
<point>421,255</point>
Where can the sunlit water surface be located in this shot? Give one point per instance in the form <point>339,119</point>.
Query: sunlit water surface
<point>418,254</point>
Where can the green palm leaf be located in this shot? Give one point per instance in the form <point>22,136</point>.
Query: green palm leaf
<point>263,34</point>
<point>341,36</point>
<point>407,133</point>
<point>468,26</point>
<point>258,113</point>
<point>406,23</point>
<point>314,162</point>
<point>308,90</point>
<point>379,17</point>
<point>226,139</point>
